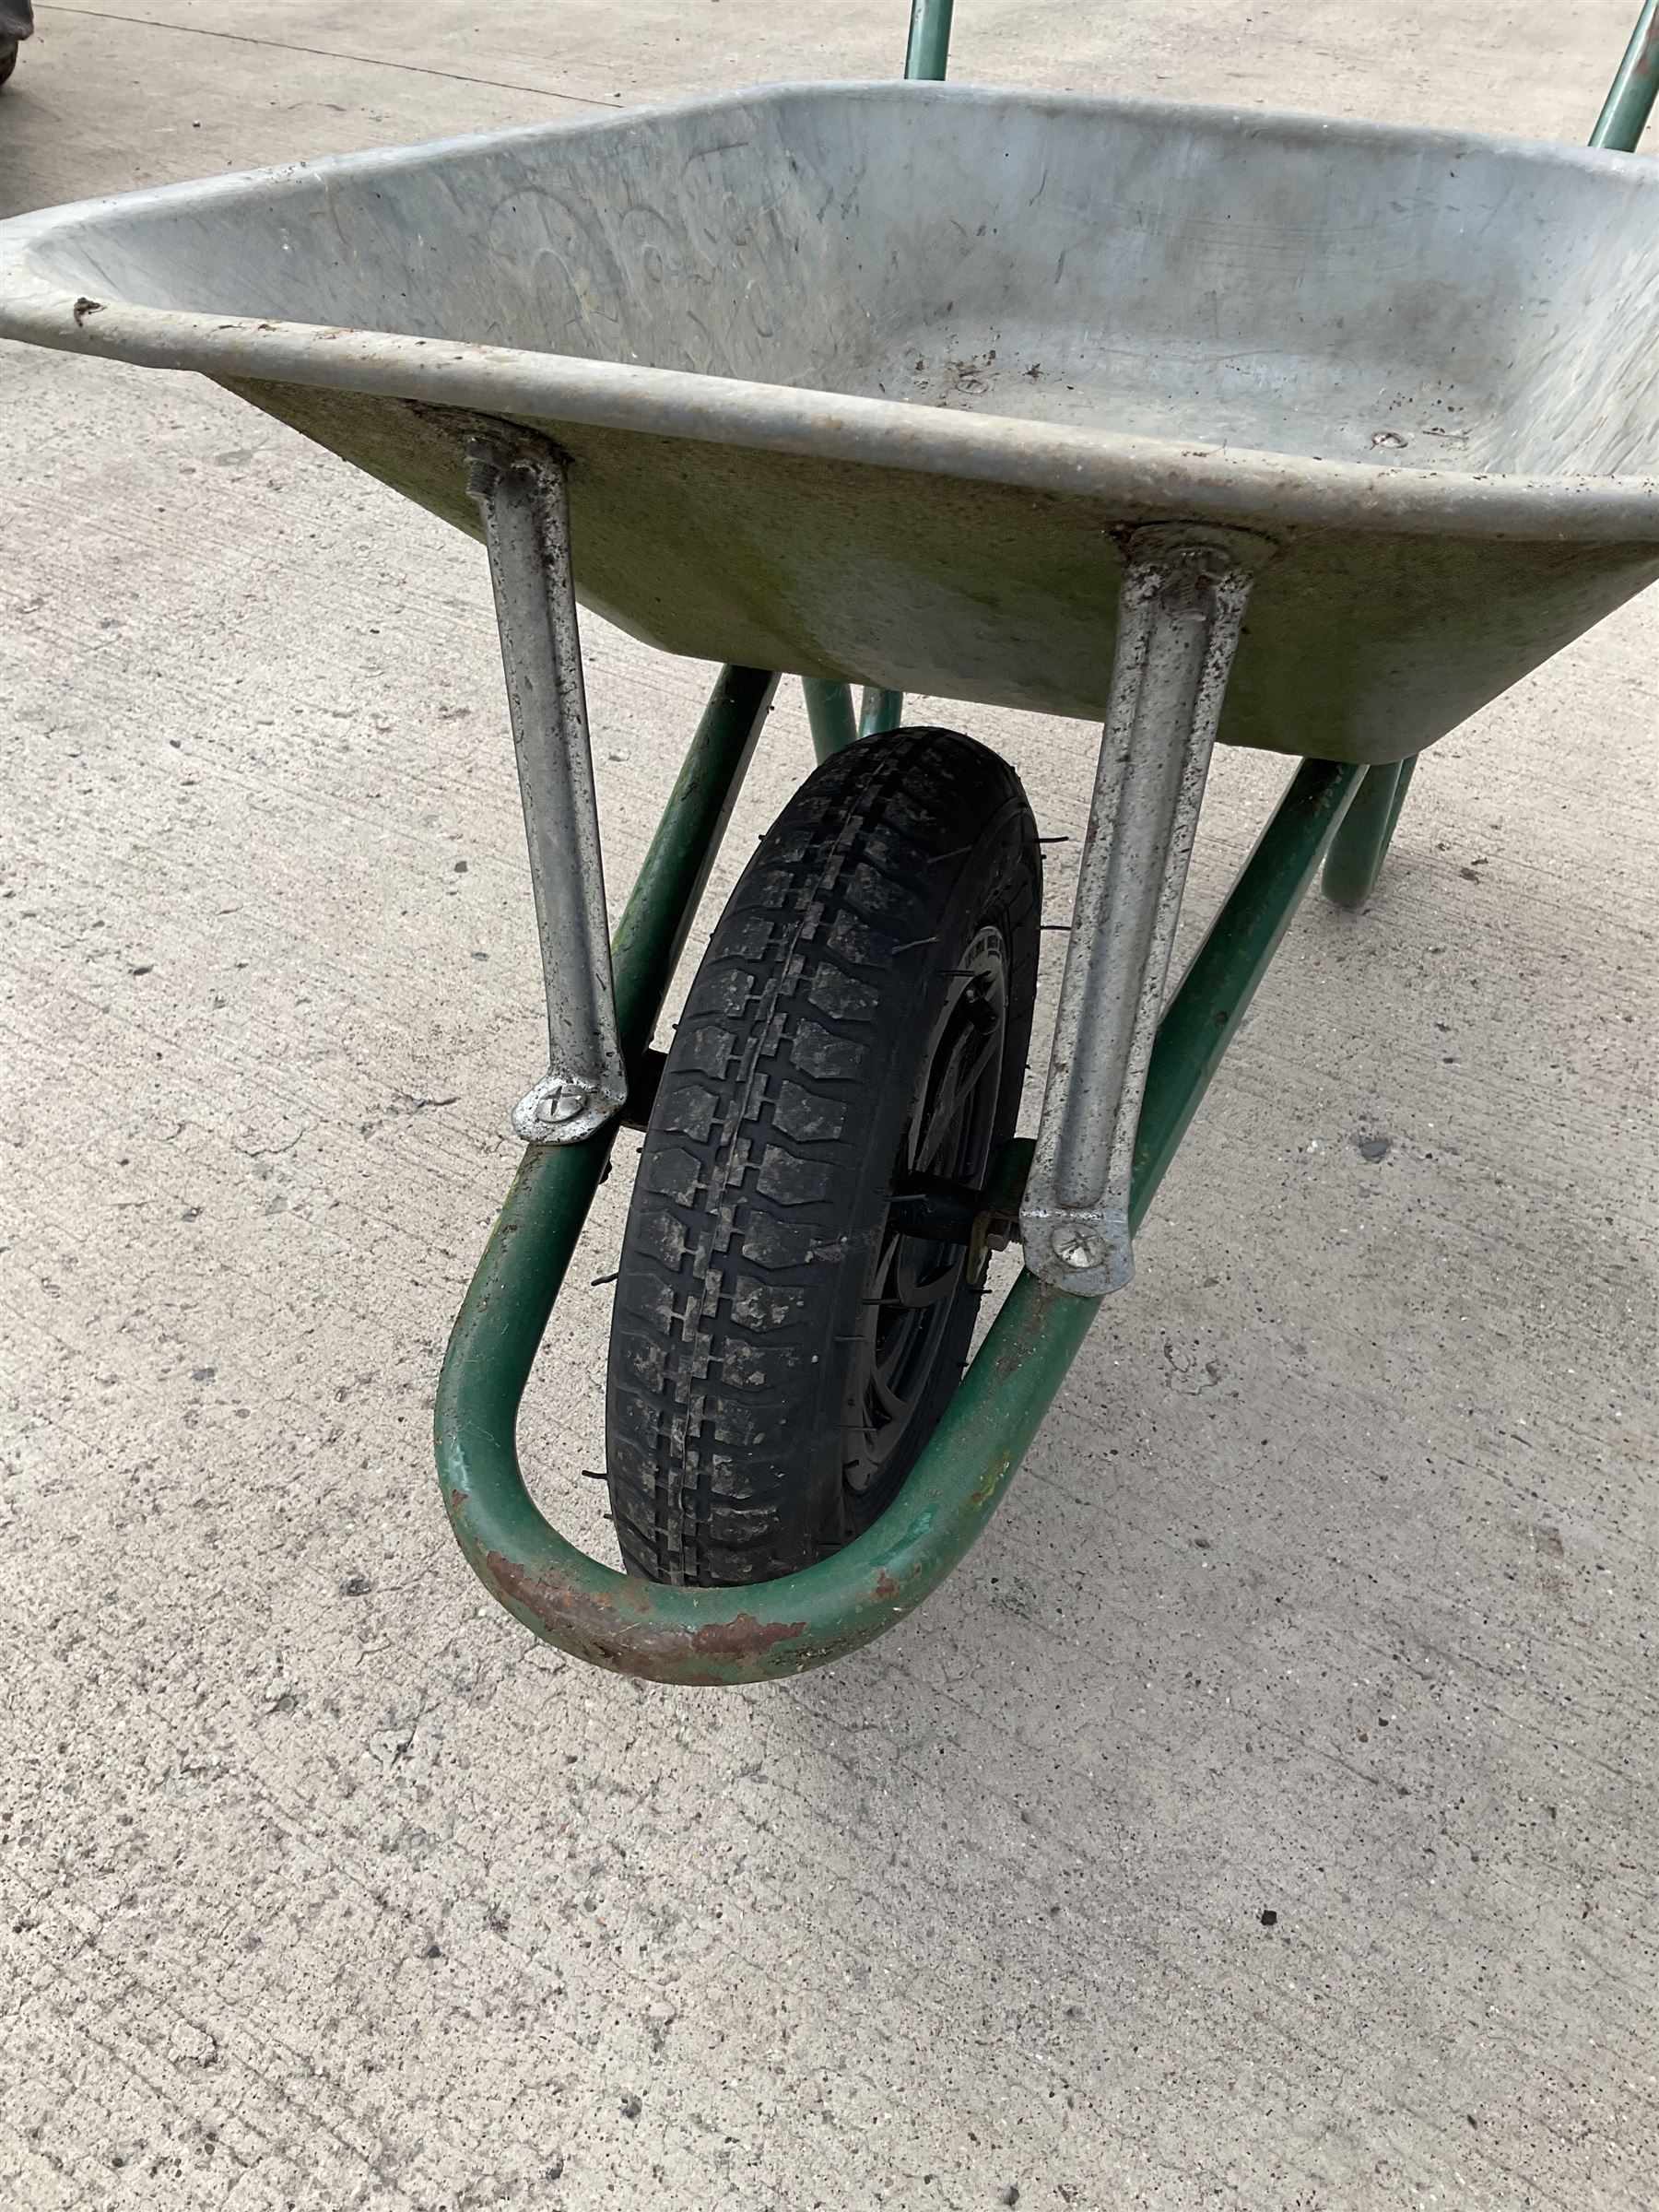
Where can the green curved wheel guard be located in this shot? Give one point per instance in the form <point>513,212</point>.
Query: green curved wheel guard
<point>802,1621</point>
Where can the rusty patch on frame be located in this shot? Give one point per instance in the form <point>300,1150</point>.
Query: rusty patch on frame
<point>598,1628</point>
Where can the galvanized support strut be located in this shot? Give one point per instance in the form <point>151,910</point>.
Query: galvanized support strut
<point>1179,614</point>
<point>519,484</point>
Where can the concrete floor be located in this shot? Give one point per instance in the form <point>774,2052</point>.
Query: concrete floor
<point>1327,1591</point>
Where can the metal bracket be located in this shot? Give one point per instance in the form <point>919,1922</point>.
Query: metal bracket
<point>1179,615</point>
<point>519,484</point>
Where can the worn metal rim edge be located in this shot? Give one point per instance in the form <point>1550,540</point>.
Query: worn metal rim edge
<point>1146,474</point>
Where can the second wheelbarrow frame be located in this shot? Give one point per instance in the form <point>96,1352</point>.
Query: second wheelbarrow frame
<point>1341,814</point>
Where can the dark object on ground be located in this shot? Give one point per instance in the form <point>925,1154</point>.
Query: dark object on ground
<point>17,23</point>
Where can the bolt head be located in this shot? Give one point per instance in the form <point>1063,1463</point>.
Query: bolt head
<point>562,1105</point>
<point>1078,1246</point>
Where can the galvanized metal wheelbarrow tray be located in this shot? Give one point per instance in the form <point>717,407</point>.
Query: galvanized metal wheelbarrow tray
<point>1302,435</point>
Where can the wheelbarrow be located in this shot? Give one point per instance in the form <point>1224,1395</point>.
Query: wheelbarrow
<point>1209,426</point>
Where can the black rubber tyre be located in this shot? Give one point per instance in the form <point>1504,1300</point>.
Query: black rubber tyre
<point>860,1021</point>
<point>8,58</point>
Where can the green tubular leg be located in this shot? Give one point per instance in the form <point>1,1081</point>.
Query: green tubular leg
<point>1630,102</point>
<point>929,47</point>
<point>1408,770</point>
<point>1360,846</point>
<point>830,717</point>
<point>802,1621</point>
<point>879,712</point>
<point>829,714</point>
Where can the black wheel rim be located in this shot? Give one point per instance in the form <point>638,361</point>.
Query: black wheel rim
<point>912,1293</point>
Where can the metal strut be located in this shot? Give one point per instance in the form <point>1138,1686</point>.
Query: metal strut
<point>519,485</point>
<point>1179,614</point>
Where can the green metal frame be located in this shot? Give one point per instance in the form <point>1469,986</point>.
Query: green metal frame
<point>1360,846</point>
<point>803,1620</point>
<point>929,46</point>
<point>829,714</point>
<point>1630,100</point>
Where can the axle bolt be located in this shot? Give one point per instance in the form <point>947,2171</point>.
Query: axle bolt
<point>1076,1245</point>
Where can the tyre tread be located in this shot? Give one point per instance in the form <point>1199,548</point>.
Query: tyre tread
<point>722,1298</point>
